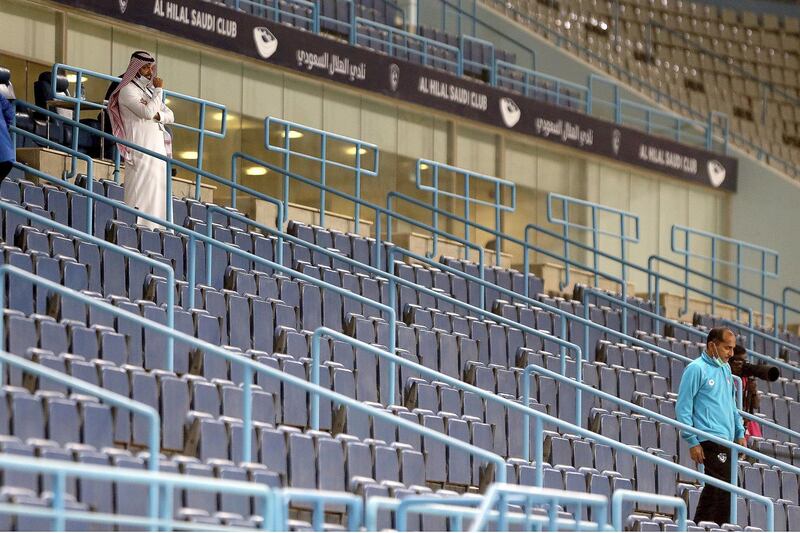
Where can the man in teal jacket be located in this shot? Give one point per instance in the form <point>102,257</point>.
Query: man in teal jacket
<point>706,401</point>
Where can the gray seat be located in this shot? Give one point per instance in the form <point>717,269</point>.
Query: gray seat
<point>302,470</point>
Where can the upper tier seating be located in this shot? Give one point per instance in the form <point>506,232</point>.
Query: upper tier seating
<point>709,58</point>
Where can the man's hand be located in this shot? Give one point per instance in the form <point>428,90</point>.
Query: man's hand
<point>158,83</point>
<point>742,442</point>
<point>696,453</point>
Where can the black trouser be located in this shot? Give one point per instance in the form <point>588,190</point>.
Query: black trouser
<point>5,168</point>
<point>715,503</point>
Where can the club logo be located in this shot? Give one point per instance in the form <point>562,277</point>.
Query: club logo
<point>510,112</point>
<point>123,5</point>
<point>716,172</point>
<point>615,141</point>
<point>394,76</point>
<point>723,457</point>
<point>266,43</point>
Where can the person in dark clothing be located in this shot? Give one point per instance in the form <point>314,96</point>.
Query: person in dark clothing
<point>706,401</point>
<point>751,403</point>
<point>7,150</point>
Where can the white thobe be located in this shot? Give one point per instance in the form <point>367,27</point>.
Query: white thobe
<point>145,176</point>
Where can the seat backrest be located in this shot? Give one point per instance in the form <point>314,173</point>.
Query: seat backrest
<point>42,88</point>
<point>6,87</point>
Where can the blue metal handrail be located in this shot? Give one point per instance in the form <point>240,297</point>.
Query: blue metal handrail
<point>416,367</point>
<point>684,428</point>
<point>353,504</point>
<point>279,15</point>
<point>478,22</point>
<point>753,332</point>
<point>395,279</point>
<point>785,296</point>
<point>598,294</point>
<point>358,146</point>
<point>503,74</point>
<point>541,418</point>
<point>469,178</point>
<point>195,236</point>
<point>502,494</point>
<point>88,237</point>
<point>458,509</point>
<point>169,162</point>
<point>658,277</point>
<point>374,207</point>
<point>651,273</point>
<point>235,187</point>
<point>595,210</point>
<point>117,400</point>
<point>715,240</point>
<point>491,66</point>
<point>528,247</point>
<point>251,367</point>
<point>161,482</point>
<point>431,52</point>
<point>79,100</point>
<point>621,496</point>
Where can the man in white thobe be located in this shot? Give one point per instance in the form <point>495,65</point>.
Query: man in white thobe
<point>138,114</point>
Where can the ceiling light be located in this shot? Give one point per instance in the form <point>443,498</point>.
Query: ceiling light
<point>167,101</point>
<point>72,78</point>
<point>424,166</point>
<point>255,171</point>
<point>292,134</point>
<point>352,150</point>
<point>189,154</point>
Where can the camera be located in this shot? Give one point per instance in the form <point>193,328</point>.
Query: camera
<point>765,372</point>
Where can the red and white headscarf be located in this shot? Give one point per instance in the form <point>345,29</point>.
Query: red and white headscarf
<point>139,59</point>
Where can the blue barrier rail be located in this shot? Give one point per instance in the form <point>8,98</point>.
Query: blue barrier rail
<point>751,333</point>
<point>644,117</point>
<point>125,252</point>
<point>473,67</point>
<point>501,495</point>
<point>318,499</point>
<point>373,207</point>
<point>541,418</point>
<point>621,496</point>
<point>158,482</point>
<point>80,101</point>
<point>784,297</point>
<point>769,259</point>
<point>390,197</point>
<point>359,148</point>
<point>597,294</point>
<point>276,12</point>
<point>623,219</point>
<point>112,398</point>
<point>652,274</point>
<point>250,368</point>
<point>194,237</point>
<point>411,46</point>
<point>458,7</point>
<point>684,428</point>
<point>470,179</point>
<point>458,510</point>
<point>540,86</point>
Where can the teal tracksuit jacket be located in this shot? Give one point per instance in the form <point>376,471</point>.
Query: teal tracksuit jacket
<point>707,401</point>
